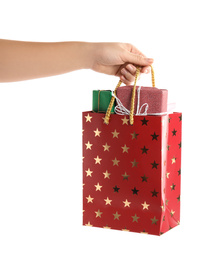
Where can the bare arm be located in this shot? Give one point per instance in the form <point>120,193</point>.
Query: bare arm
<point>28,60</point>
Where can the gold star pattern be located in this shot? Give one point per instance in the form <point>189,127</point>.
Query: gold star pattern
<point>145,205</point>
<point>106,174</point>
<point>116,215</point>
<point>125,120</point>
<point>88,118</point>
<point>98,213</point>
<point>89,199</point>
<point>125,176</point>
<point>115,162</point>
<point>134,135</point>
<point>97,160</point>
<point>88,145</point>
<point>167,174</point>
<point>173,160</point>
<point>115,134</point>
<point>107,201</point>
<point>125,149</point>
<point>89,172</point>
<point>127,203</point>
<point>97,132</point>
<point>134,163</point>
<point>154,220</point>
<point>98,187</point>
<point>135,218</point>
<point>106,147</point>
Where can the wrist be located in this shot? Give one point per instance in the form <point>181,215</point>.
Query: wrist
<point>88,54</point>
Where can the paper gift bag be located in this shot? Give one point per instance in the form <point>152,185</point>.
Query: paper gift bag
<point>131,172</point>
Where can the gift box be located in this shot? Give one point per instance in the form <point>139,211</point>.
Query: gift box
<point>155,98</point>
<point>131,173</point>
<point>101,99</point>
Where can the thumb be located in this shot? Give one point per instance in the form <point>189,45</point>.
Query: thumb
<point>137,59</point>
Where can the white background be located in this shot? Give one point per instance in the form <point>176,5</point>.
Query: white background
<point>40,128</point>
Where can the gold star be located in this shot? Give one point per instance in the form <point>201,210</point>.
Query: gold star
<point>106,147</point>
<point>125,148</point>
<point>125,229</point>
<point>145,205</point>
<point>98,187</point>
<point>89,199</point>
<point>98,213</point>
<point>106,174</point>
<point>125,176</point>
<point>172,212</point>
<point>126,203</point>
<point>167,202</point>
<point>135,218</point>
<point>173,160</point>
<point>97,160</point>
<point>154,220</point>
<point>88,224</point>
<point>115,162</point>
<point>97,132</point>
<point>163,207</point>
<point>134,163</point>
<point>167,174</point>
<point>107,227</point>
<point>125,120</point>
<point>107,201</point>
<point>144,232</point>
<point>115,134</point>
<point>134,135</point>
<point>116,215</point>
<point>89,172</point>
<point>88,145</point>
<point>88,118</point>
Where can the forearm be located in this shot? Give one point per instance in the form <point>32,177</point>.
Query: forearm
<point>27,60</point>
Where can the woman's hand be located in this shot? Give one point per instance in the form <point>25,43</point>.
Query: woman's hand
<point>119,59</point>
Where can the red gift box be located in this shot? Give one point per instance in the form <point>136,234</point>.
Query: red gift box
<point>131,173</point>
<point>154,97</point>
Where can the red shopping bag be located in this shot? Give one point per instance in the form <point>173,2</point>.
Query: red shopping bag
<point>131,172</point>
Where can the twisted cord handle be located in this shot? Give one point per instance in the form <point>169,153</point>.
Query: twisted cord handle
<point>108,112</point>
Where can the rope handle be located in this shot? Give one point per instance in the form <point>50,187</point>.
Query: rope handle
<point>108,112</point>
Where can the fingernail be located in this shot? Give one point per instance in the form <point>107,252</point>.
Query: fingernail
<point>150,60</point>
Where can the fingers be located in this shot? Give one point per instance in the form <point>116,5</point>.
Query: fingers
<point>128,72</point>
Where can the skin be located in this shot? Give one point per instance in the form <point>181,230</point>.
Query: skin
<point>21,60</point>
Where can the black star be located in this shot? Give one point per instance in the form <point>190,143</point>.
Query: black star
<point>154,193</point>
<point>180,145</point>
<point>178,198</point>
<point>144,121</point>
<point>154,165</point>
<point>116,189</point>
<point>180,118</point>
<point>154,136</point>
<point>174,132</point>
<point>168,147</point>
<point>179,171</point>
<point>144,178</point>
<point>135,191</point>
<point>144,150</point>
<point>169,118</point>
<point>173,186</point>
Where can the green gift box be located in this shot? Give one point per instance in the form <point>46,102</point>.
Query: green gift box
<point>101,100</point>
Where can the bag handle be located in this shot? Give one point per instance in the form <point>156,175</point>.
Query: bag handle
<point>108,112</point>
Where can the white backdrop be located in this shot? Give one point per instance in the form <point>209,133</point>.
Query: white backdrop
<point>40,128</point>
